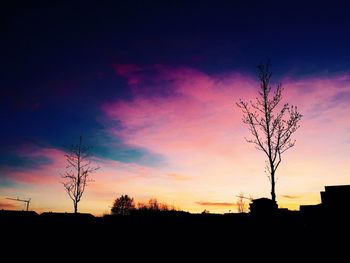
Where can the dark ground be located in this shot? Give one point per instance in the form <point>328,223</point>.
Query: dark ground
<point>177,235</point>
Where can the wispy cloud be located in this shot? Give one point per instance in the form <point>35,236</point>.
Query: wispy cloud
<point>215,204</point>
<point>47,162</point>
<point>199,117</point>
<point>8,206</point>
<point>290,196</point>
<point>177,177</point>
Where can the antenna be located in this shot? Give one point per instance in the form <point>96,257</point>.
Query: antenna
<point>21,200</point>
<point>244,197</point>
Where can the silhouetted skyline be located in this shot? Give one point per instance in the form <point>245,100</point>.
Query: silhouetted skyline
<point>152,87</point>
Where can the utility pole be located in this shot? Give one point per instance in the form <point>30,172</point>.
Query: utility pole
<point>21,200</point>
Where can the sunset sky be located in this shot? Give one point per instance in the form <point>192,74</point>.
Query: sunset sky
<point>152,86</point>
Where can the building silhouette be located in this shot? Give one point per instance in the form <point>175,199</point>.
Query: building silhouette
<point>334,199</point>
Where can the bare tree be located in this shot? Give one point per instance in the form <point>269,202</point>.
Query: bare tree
<point>153,204</point>
<point>78,170</point>
<point>270,124</point>
<point>123,205</point>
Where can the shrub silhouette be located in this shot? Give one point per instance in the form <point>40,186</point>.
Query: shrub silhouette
<point>123,205</point>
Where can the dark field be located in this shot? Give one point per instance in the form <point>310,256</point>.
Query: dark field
<point>179,234</point>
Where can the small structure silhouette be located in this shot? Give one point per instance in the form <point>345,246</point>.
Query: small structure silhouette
<point>262,206</point>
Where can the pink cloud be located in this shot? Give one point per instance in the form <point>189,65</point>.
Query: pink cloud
<point>49,172</point>
<point>42,173</point>
<point>198,129</point>
<point>201,113</point>
<point>324,104</point>
<point>178,177</point>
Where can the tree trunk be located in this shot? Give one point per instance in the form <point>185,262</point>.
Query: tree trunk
<point>75,207</point>
<point>273,194</point>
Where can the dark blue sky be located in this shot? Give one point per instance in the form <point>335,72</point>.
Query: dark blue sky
<point>57,58</point>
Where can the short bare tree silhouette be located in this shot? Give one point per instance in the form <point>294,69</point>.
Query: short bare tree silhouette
<point>154,206</point>
<point>78,170</point>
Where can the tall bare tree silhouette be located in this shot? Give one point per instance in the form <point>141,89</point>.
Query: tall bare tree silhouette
<point>270,124</point>
<point>77,172</point>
